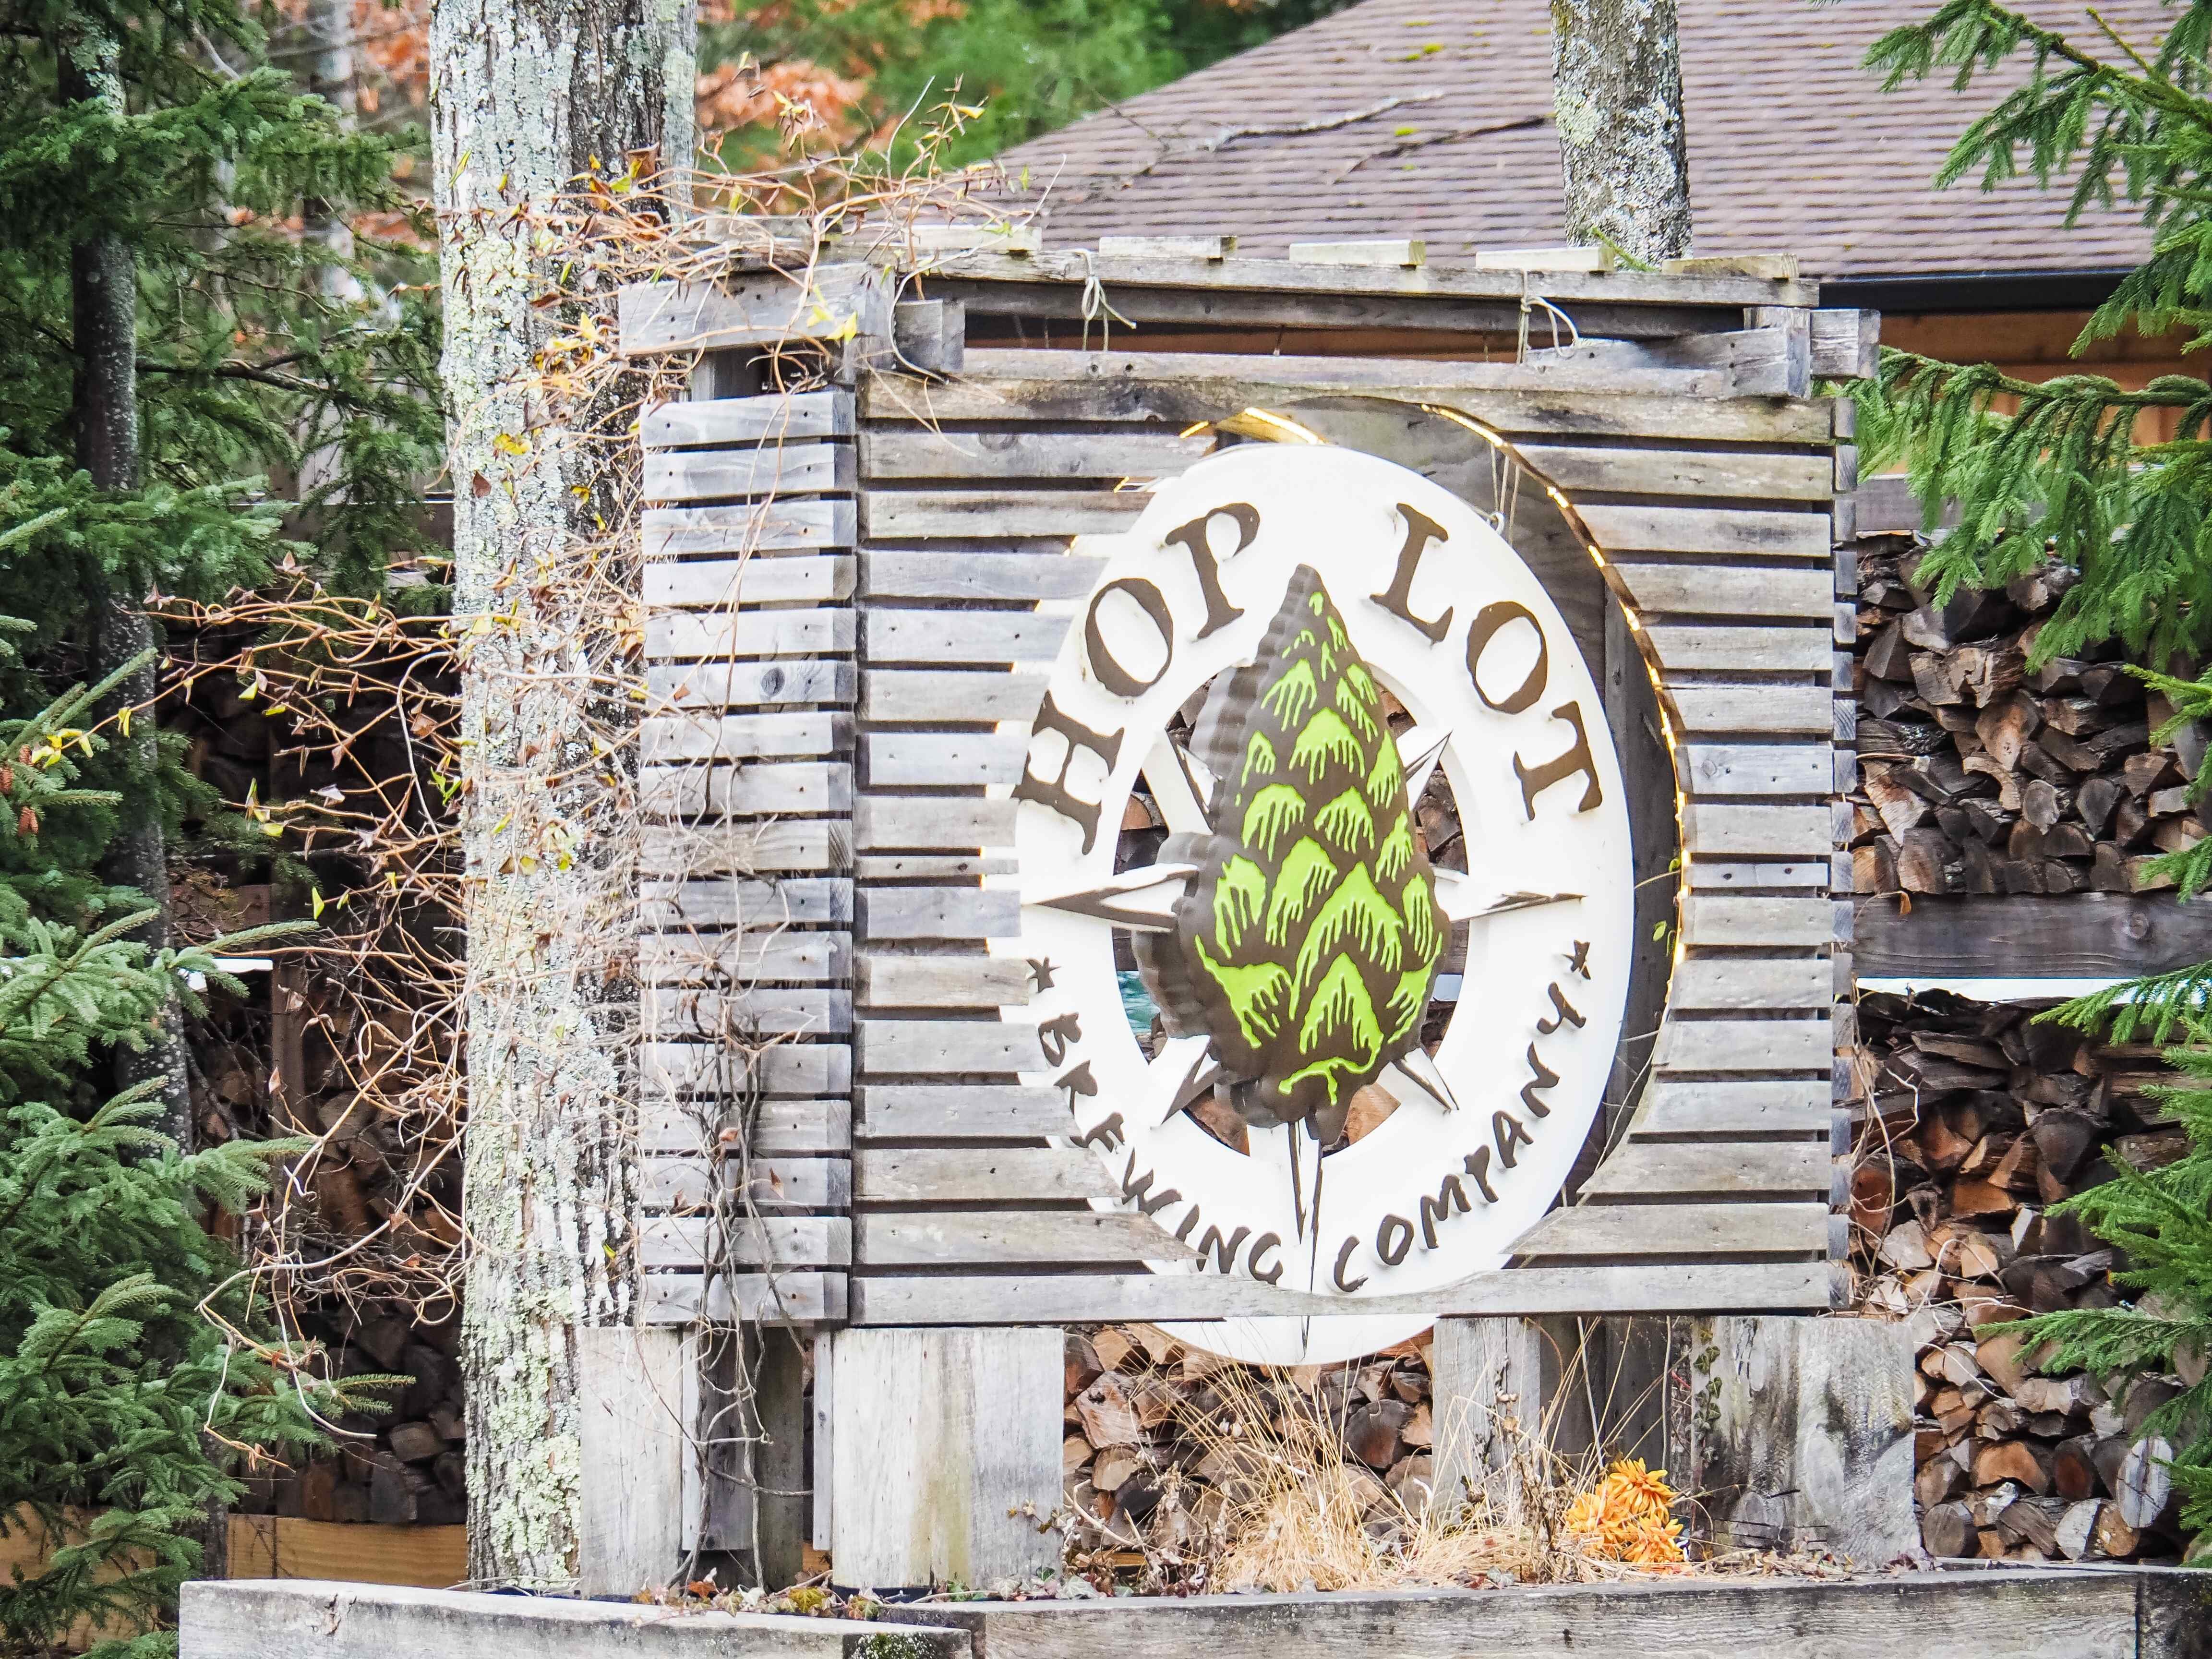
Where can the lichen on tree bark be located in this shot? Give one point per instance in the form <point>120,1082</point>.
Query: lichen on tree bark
<point>527,95</point>
<point>1616,98</point>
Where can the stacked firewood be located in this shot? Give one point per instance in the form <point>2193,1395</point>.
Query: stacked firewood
<point>400,1469</point>
<point>1979,775</point>
<point>1979,1119</point>
<point>1147,1479</point>
<point>366,1221</point>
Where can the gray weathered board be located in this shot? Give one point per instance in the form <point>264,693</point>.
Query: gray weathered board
<point>904,682</point>
<point>747,752</point>
<point>1998,1612</point>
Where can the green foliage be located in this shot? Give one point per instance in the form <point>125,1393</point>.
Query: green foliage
<point>115,1383</point>
<point>2162,1220</point>
<point>2061,470</point>
<point>2133,123</point>
<point>1032,65</point>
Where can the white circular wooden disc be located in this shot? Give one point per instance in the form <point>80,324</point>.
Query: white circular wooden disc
<point>1526,1079</point>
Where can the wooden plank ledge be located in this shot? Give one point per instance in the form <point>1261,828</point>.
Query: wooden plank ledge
<point>285,1618</point>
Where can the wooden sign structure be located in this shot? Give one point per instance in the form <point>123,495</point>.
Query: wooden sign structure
<point>871,608</point>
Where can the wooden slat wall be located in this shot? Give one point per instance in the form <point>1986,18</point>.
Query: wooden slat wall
<point>747,761</point>
<point>1715,513</point>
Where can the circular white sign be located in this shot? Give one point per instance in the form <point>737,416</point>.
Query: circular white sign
<point>1278,657</point>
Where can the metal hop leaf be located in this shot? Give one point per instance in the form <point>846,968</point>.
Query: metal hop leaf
<point>1307,946</point>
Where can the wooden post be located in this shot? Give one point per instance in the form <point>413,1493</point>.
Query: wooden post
<point>1488,1385</point>
<point>946,1452</point>
<point>1800,1434</point>
<point>632,1442</point>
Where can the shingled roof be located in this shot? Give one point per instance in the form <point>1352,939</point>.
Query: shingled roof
<point>1432,119</point>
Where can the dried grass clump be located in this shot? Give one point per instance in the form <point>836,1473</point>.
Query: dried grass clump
<point>1286,1510</point>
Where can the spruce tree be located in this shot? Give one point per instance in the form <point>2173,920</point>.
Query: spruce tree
<point>185,400</point>
<point>2062,468</point>
<point>118,1371</point>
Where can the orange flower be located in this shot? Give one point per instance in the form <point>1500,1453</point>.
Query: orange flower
<point>1625,1516</point>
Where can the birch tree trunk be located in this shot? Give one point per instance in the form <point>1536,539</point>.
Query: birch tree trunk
<point>526,95</point>
<point>1617,94</point>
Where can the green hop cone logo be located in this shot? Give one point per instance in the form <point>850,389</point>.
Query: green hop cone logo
<point>1307,946</point>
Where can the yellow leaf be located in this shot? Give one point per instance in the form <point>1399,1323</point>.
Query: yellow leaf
<point>315,902</point>
<point>123,719</point>
<point>507,444</point>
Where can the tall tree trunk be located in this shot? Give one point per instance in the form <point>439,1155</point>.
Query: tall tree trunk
<point>1617,91</point>
<point>104,418</point>
<point>528,94</point>
<point>327,26</point>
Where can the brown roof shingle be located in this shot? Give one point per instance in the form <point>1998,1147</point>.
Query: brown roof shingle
<point>1432,119</point>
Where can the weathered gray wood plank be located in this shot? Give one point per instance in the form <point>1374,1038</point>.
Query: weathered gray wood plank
<point>923,694</point>
<point>787,525</point>
<point>791,955</point>
<point>776,417</point>
<point>766,1127</point>
<point>1735,769</point>
<point>632,1446</point>
<point>1751,982</point>
<point>931,823</point>
<point>2004,938</point>
<point>1726,829</point>
<point>956,1438</point>
<point>940,913</point>
<point>1791,710</point>
<point>948,1238</point>
<point>1777,1170</point>
<point>921,453</point>
<point>961,636</point>
<point>1742,650</point>
<point>761,788</point>
<point>1724,919</point>
<point>888,574</point>
<point>902,760</point>
<point>950,1047</point>
<point>759,579</point>
<point>1775,533</point>
<point>1735,474</point>
<point>1177,388</point>
<point>767,1241</point>
<point>743,848</point>
<point>822,302</point>
<point>1032,1299</point>
<point>286,1617</point>
<point>706,475</point>
<point>897,514</point>
<point>1733,1108</point>
<point>780,1185</point>
<point>792,1296</point>
<point>1745,1045</point>
<point>750,685</point>
<point>677,1068</point>
<point>751,905</point>
<point>979,1174</point>
<point>986,1111</point>
<point>743,737</point>
<point>1644,1232</point>
<point>673,635</point>
<point>1706,590</point>
<point>2022,1613</point>
<point>887,981</point>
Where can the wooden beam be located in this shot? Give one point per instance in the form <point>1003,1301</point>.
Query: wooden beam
<point>1998,1614</point>
<point>286,1617</point>
<point>2079,935</point>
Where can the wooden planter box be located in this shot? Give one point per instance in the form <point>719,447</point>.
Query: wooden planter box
<point>1994,1615</point>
